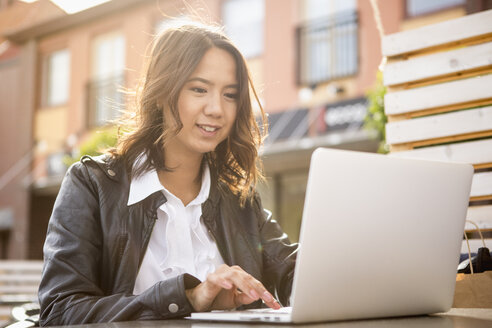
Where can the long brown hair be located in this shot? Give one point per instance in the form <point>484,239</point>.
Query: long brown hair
<point>174,55</point>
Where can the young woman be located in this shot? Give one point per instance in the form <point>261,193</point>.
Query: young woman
<point>169,221</point>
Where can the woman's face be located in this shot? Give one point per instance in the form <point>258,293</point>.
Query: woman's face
<point>207,105</point>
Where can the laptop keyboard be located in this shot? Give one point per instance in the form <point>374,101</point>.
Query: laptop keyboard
<point>286,309</point>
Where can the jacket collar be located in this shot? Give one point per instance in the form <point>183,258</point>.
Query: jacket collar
<point>115,170</point>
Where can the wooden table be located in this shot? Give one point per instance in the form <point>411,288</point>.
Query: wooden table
<point>456,318</point>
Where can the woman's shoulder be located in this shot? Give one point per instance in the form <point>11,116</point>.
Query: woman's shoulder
<point>101,168</point>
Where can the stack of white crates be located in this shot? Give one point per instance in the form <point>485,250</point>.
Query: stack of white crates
<point>439,100</point>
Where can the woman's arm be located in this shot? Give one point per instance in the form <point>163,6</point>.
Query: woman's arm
<point>70,291</point>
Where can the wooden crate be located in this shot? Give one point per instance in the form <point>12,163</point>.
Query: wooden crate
<point>439,100</point>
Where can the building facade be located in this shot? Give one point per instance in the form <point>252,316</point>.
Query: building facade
<point>61,76</point>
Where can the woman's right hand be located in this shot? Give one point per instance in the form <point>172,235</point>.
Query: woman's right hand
<point>228,288</point>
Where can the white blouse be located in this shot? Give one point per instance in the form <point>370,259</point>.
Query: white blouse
<point>180,242</point>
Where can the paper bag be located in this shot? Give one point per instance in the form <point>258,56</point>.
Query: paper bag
<point>473,290</point>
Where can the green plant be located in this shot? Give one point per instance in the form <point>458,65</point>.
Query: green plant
<point>94,145</point>
<point>376,119</point>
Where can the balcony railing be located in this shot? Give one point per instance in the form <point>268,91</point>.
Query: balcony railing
<point>328,48</point>
<point>104,100</point>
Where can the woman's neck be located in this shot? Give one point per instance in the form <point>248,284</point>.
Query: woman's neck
<point>183,179</point>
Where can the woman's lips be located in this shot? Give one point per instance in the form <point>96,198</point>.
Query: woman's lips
<point>208,130</point>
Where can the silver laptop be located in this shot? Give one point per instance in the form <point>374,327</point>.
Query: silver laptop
<point>380,237</point>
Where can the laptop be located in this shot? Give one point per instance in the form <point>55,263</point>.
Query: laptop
<point>380,237</point>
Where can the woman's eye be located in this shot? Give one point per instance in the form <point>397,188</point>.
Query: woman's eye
<point>231,95</point>
<point>199,90</point>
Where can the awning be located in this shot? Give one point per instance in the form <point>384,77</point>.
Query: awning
<point>333,123</point>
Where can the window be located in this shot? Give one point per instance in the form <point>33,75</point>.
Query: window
<point>422,7</point>
<point>243,20</point>
<point>327,42</point>
<point>108,64</point>
<point>57,78</point>
<point>314,9</point>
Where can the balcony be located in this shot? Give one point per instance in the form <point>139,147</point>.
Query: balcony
<point>104,100</point>
<point>327,48</point>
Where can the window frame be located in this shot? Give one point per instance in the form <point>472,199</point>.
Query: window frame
<point>46,86</point>
<point>247,56</point>
<point>353,19</point>
<point>104,81</point>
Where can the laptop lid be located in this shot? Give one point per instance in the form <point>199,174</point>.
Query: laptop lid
<point>380,236</point>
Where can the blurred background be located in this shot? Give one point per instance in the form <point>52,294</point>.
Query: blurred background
<point>63,64</point>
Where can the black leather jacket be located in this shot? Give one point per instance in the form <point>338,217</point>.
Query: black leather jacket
<point>95,245</point>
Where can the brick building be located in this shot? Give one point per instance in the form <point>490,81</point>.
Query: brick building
<point>311,60</point>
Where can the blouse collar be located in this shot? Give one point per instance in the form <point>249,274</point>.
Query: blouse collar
<point>148,183</point>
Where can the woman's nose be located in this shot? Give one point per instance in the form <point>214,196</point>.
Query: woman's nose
<point>214,105</point>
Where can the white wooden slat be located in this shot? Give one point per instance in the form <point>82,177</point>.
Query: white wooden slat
<point>18,298</point>
<point>438,64</point>
<point>16,278</point>
<point>481,215</point>
<point>15,265</point>
<point>437,126</point>
<point>472,152</point>
<point>482,184</point>
<point>14,289</point>
<point>439,95</point>
<point>438,34</point>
